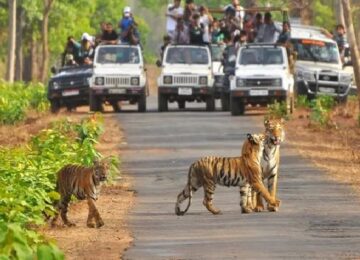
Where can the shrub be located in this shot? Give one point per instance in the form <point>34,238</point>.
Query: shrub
<point>278,110</point>
<point>302,102</point>
<point>321,110</point>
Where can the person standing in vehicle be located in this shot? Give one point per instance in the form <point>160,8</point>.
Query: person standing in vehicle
<point>206,20</point>
<point>340,37</point>
<point>87,49</point>
<point>173,13</point>
<point>268,32</point>
<point>285,35</point>
<point>181,34</point>
<point>109,36</point>
<point>189,11</point>
<point>196,30</point>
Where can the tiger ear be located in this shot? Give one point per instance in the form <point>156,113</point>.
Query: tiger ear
<point>266,123</point>
<point>250,138</point>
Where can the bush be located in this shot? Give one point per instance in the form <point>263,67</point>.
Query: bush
<point>321,110</point>
<point>18,98</point>
<point>278,110</point>
<point>27,183</point>
<point>302,102</point>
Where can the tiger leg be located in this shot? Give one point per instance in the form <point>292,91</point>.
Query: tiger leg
<point>93,214</point>
<point>259,187</point>
<point>63,206</point>
<point>272,186</point>
<point>56,216</point>
<point>259,202</point>
<point>245,203</point>
<point>209,189</point>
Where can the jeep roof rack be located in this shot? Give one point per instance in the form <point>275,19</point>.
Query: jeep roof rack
<point>248,45</point>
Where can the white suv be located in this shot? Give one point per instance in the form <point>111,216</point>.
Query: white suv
<point>186,76</point>
<point>119,74</point>
<point>262,76</point>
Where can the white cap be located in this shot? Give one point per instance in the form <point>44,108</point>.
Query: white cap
<point>86,36</point>
<point>127,9</point>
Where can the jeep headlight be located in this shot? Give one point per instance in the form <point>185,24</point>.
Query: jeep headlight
<point>305,75</point>
<point>346,78</point>
<point>99,81</point>
<point>203,80</point>
<point>277,82</point>
<point>135,81</point>
<point>55,85</point>
<point>240,83</point>
<point>168,80</point>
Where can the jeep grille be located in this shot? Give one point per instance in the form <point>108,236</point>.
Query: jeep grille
<point>185,80</point>
<point>117,81</point>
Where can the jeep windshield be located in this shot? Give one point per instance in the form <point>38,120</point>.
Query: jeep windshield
<point>316,50</point>
<point>187,55</point>
<point>261,56</point>
<point>118,55</point>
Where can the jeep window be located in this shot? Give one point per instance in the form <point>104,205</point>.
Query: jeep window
<point>315,50</point>
<point>186,55</point>
<point>263,56</point>
<point>118,54</point>
<point>217,52</point>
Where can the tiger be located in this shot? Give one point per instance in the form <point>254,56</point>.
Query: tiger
<point>243,171</point>
<point>274,136</point>
<point>84,183</point>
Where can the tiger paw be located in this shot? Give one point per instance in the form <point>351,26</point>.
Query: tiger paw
<point>259,208</point>
<point>90,225</point>
<point>246,210</point>
<point>70,224</point>
<point>100,223</point>
<point>272,209</point>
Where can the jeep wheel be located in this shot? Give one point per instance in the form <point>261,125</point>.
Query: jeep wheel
<point>54,106</point>
<point>225,102</point>
<point>237,106</point>
<point>142,104</point>
<point>181,104</point>
<point>116,106</point>
<point>210,103</point>
<point>162,103</point>
<point>95,103</point>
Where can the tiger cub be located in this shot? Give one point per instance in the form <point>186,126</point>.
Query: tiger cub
<point>274,136</point>
<point>241,171</point>
<point>83,183</point>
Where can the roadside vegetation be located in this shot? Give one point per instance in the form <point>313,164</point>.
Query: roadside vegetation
<point>27,184</point>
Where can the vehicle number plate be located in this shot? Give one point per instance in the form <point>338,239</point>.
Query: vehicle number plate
<point>117,91</point>
<point>72,92</point>
<point>185,91</point>
<point>327,90</point>
<point>259,92</point>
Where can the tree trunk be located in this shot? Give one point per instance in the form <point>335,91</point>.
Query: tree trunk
<point>45,39</point>
<point>19,44</point>
<point>10,70</point>
<point>302,9</point>
<point>355,55</point>
<point>339,12</point>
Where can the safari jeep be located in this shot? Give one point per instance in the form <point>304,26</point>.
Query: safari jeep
<point>119,75</point>
<point>186,76</point>
<point>262,76</point>
<point>318,68</point>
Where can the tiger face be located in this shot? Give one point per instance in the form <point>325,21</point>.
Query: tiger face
<point>274,130</point>
<point>101,170</point>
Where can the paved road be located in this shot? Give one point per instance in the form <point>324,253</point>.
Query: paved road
<point>318,219</point>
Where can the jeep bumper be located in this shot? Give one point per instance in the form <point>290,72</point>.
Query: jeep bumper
<point>313,89</point>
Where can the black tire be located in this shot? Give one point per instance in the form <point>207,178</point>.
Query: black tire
<point>54,106</point>
<point>162,103</point>
<point>210,103</point>
<point>181,104</point>
<point>95,103</point>
<point>237,106</point>
<point>116,106</point>
<point>142,104</point>
<point>225,102</point>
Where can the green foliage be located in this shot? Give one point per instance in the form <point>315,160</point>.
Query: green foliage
<point>302,101</point>
<point>27,183</point>
<point>16,99</point>
<point>278,110</point>
<point>324,15</point>
<point>321,110</point>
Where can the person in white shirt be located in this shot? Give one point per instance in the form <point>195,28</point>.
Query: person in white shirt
<point>239,10</point>
<point>174,12</point>
<point>206,20</point>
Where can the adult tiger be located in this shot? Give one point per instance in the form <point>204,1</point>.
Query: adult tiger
<point>228,171</point>
<point>83,183</point>
<point>274,135</point>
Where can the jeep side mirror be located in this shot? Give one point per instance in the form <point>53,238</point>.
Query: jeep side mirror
<point>53,70</point>
<point>158,63</point>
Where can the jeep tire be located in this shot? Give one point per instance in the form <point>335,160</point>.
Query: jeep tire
<point>225,102</point>
<point>142,104</point>
<point>162,103</point>
<point>181,104</point>
<point>210,103</point>
<point>237,106</point>
<point>95,103</point>
<point>54,106</point>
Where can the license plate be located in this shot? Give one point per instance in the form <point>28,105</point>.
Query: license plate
<point>185,91</point>
<point>327,90</point>
<point>117,91</point>
<point>259,92</point>
<point>72,92</point>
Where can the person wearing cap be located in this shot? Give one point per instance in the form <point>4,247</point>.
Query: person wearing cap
<point>173,13</point>
<point>128,28</point>
<point>126,20</point>
<point>87,49</point>
<point>268,32</point>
